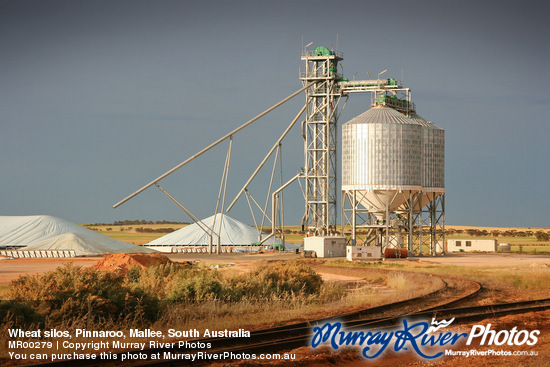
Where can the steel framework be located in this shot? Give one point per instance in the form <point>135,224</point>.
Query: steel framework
<point>421,230</point>
<point>428,233</point>
<point>320,139</point>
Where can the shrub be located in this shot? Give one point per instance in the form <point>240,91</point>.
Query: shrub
<point>154,230</point>
<point>20,313</point>
<point>331,292</point>
<point>155,280</point>
<point>72,291</point>
<point>542,236</point>
<point>200,287</point>
<point>274,281</point>
<point>133,275</point>
<point>280,280</point>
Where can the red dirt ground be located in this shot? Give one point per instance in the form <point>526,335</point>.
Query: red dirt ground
<point>13,268</point>
<point>122,262</point>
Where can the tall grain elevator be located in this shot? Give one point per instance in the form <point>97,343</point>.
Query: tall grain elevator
<point>319,131</point>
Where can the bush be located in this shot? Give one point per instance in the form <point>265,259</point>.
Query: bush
<point>154,280</point>
<point>280,280</point>
<point>20,313</point>
<point>154,230</point>
<point>274,281</point>
<point>542,236</point>
<point>72,291</point>
<point>200,287</point>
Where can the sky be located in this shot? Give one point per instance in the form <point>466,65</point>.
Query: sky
<point>98,98</point>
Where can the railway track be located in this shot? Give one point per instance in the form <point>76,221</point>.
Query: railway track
<point>292,336</point>
<point>452,291</point>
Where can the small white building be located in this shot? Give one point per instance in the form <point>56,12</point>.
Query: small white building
<point>363,253</point>
<point>331,246</point>
<point>469,245</point>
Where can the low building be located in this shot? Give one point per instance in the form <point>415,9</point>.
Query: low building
<point>363,253</point>
<point>470,245</point>
<point>331,246</point>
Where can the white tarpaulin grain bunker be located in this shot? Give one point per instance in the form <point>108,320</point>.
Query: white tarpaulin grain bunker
<point>231,231</point>
<point>47,233</point>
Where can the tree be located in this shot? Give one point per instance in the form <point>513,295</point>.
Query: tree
<point>542,236</point>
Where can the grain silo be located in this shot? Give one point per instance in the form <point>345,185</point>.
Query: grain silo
<point>382,157</point>
<point>393,180</point>
<point>433,155</point>
<point>429,209</point>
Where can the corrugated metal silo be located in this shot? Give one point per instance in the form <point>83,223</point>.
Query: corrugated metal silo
<point>433,154</point>
<point>382,157</point>
<point>433,160</point>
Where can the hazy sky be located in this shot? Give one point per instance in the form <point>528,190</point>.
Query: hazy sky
<point>98,98</point>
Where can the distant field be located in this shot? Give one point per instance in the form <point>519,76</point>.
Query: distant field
<point>128,233</point>
<point>489,229</point>
<point>514,241</point>
<point>519,244</point>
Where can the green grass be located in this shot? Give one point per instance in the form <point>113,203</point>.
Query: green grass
<point>535,249</point>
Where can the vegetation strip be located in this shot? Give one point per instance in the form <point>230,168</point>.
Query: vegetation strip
<point>273,339</point>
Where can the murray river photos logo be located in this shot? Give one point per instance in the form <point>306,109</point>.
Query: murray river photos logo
<point>427,340</point>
